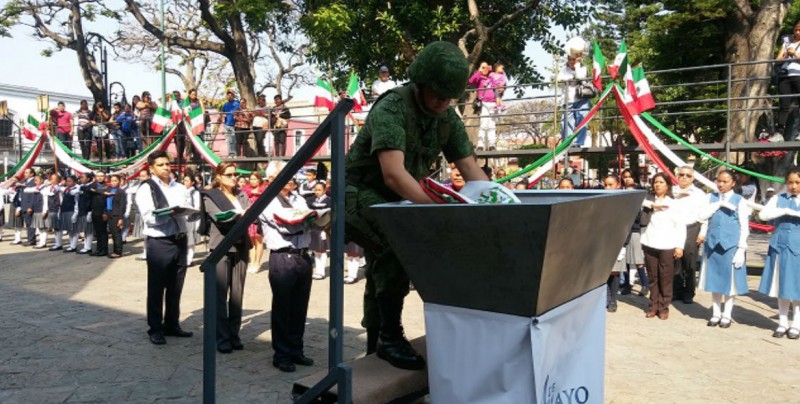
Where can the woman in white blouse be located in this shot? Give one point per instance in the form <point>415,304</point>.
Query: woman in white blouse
<point>662,243</point>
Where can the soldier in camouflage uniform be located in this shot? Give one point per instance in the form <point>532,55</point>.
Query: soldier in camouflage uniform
<point>404,133</point>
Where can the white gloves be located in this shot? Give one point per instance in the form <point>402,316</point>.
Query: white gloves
<point>738,258</point>
<point>75,217</point>
<point>647,204</point>
<point>89,217</point>
<point>323,236</point>
<point>621,255</point>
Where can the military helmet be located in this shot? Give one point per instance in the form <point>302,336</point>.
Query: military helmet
<point>442,67</point>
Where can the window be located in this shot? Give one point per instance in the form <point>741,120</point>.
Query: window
<point>7,125</point>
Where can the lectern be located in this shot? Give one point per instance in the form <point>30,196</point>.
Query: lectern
<point>514,294</point>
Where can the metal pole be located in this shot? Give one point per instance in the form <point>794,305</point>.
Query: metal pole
<point>163,63</point>
<point>209,334</point>
<point>728,130</point>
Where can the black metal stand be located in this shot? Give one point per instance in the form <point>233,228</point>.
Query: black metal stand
<point>338,373</point>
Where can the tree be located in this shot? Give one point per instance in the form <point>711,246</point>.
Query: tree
<point>362,35</point>
<point>62,22</point>
<point>136,45</point>
<point>530,119</point>
<point>234,27</point>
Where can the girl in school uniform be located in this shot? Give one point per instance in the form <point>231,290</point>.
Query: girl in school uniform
<point>254,187</point>
<point>52,193</point>
<point>192,221</point>
<point>39,215</point>
<point>781,276</point>
<point>723,272</point>
<point>319,240</point>
<point>68,213</point>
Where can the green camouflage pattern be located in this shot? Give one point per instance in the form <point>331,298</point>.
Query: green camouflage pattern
<point>442,67</point>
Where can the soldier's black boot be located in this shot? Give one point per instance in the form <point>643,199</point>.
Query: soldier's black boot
<point>392,345</point>
<point>372,339</point>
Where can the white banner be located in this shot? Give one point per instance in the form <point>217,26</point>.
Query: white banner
<point>483,357</point>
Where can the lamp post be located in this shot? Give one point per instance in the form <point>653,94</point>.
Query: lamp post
<point>163,62</point>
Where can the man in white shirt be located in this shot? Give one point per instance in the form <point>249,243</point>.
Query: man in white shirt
<point>689,200</point>
<point>383,84</point>
<point>166,246</point>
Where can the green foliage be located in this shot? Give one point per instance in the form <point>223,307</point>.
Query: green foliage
<point>362,35</point>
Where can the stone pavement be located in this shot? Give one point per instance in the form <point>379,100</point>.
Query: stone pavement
<point>73,330</point>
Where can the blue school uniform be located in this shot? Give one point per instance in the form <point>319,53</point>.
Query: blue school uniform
<point>722,239</point>
<point>781,276</point>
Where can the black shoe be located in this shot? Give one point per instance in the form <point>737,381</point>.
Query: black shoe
<point>688,300</point>
<point>56,248</point>
<point>237,345</point>
<point>70,250</point>
<point>101,254</point>
<point>625,290</point>
<point>83,252</point>
<point>779,332</point>
<point>612,307</point>
<point>713,322</point>
<point>16,242</point>
<point>39,247</point>
<point>645,291</point>
<point>399,353</point>
<point>157,338</point>
<point>177,332</point>
<point>725,324</point>
<point>302,360</point>
<point>285,366</point>
<point>225,348</point>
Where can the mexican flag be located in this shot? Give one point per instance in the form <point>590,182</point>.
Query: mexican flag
<point>31,128</point>
<point>354,92</point>
<point>598,63</point>
<point>646,100</point>
<point>195,121</point>
<point>161,119</point>
<point>323,94</point>
<point>632,98</point>
<point>620,61</point>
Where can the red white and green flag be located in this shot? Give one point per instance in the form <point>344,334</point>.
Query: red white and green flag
<point>620,61</point>
<point>323,94</point>
<point>195,121</point>
<point>354,92</point>
<point>631,97</point>
<point>161,119</point>
<point>645,97</point>
<point>598,63</point>
<point>31,129</point>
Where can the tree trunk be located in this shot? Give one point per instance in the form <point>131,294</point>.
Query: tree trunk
<point>751,36</point>
<point>239,56</point>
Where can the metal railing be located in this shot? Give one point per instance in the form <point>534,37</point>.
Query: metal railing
<point>338,373</point>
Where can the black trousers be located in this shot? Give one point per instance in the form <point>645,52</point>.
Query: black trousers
<point>787,86</point>
<point>85,139</point>
<point>259,133</point>
<point>104,147</point>
<point>28,221</point>
<point>166,271</point>
<point>100,227</point>
<point>290,281</point>
<point>231,274</point>
<point>613,289</point>
<point>65,137</point>
<point>279,137</point>
<point>116,234</point>
<point>686,267</point>
<point>241,135</point>
<point>144,132</point>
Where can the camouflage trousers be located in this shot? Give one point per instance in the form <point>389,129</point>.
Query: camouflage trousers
<point>386,278</point>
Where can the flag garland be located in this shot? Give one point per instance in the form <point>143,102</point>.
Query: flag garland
<point>31,128</point>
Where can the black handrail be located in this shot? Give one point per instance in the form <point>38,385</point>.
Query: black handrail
<point>338,373</point>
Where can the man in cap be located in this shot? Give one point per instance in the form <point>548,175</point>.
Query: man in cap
<point>382,84</point>
<point>403,135</point>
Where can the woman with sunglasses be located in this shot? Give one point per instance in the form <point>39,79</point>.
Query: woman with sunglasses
<point>224,204</point>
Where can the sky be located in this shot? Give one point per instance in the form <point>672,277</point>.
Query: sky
<point>24,65</point>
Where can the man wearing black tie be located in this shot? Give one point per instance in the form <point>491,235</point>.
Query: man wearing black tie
<point>166,249</point>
